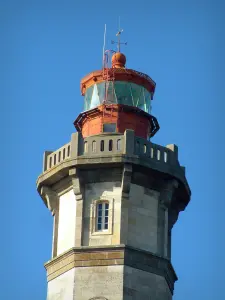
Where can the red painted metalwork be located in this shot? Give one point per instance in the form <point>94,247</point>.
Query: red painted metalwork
<point>118,74</point>
<point>124,116</point>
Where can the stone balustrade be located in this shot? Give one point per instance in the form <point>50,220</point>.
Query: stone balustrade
<point>148,150</point>
<point>52,159</point>
<point>112,144</point>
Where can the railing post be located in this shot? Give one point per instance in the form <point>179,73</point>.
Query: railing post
<point>76,144</point>
<point>129,142</point>
<point>173,148</point>
<point>45,160</point>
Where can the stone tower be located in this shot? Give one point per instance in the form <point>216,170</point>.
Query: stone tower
<point>113,194</point>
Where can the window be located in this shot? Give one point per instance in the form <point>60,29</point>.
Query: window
<point>109,127</point>
<point>102,216</point>
<point>88,98</point>
<point>120,92</point>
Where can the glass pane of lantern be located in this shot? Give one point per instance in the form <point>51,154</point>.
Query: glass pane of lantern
<point>136,93</point>
<point>95,98</point>
<point>101,91</point>
<point>141,101</point>
<point>123,93</point>
<point>88,96</point>
<point>110,91</point>
<point>147,101</point>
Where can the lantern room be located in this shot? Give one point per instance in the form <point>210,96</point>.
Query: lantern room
<point>116,99</point>
<point>118,92</point>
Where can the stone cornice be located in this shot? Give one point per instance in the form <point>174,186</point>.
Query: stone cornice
<point>62,170</point>
<point>83,161</point>
<point>111,255</point>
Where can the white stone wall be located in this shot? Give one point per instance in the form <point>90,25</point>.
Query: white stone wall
<point>142,218</point>
<point>62,287</point>
<point>106,281</point>
<point>67,222</point>
<point>145,286</point>
<point>109,190</point>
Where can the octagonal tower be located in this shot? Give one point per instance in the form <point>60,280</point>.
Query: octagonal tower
<point>114,195</point>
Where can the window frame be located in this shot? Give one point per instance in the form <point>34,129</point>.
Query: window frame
<point>106,129</point>
<point>93,217</point>
<point>103,216</point>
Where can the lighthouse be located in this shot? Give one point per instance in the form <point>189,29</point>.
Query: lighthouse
<point>114,195</point>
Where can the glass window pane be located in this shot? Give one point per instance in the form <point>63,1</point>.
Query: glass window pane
<point>123,93</point>
<point>109,127</point>
<point>99,226</point>
<point>99,220</point>
<point>106,226</point>
<point>120,92</point>
<point>100,206</point>
<point>106,212</point>
<point>101,92</point>
<point>141,101</point>
<point>107,205</point>
<point>87,99</point>
<point>136,93</point>
<point>147,100</point>
<point>95,98</point>
<point>110,90</point>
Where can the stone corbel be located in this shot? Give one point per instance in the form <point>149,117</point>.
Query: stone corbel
<point>125,192</point>
<point>167,192</point>
<point>126,180</point>
<point>173,216</point>
<point>76,182</point>
<point>50,197</point>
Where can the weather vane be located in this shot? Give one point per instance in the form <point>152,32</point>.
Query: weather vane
<point>118,35</point>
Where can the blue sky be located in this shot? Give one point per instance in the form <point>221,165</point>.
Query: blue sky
<point>46,48</point>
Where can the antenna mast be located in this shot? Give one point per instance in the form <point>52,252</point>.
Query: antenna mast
<point>103,54</point>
